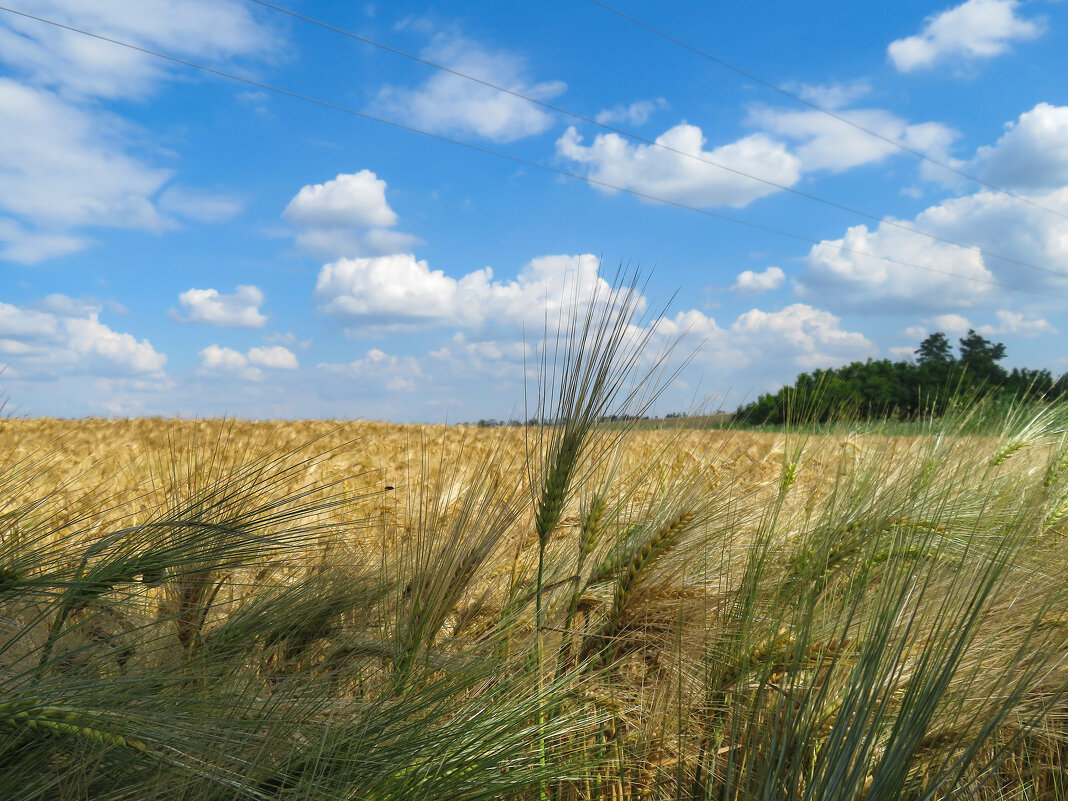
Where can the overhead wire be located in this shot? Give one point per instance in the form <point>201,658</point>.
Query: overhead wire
<point>510,157</point>
<point>840,117</point>
<point>887,221</point>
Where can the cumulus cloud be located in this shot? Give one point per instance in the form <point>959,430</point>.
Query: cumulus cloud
<point>399,292</point>
<point>447,103</point>
<point>954,276</point>
<point>813,337</point>
<point>219,359</point>
<point>214,357</point>
<point>752,283</point>
<point>665,174</point>
<point>64,336</point>
<point>853,272</point>
<point>346,216</point>
<point>275,357</point>
<point>950,323</point>
<point>348,201</point>
<point>239,310</point>
<point>1032,154</point>
<point>637,113</point>
<point>798,336</point>
<point>977,29</point>
<point>826,143</point>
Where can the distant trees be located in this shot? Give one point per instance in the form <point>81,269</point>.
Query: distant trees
<point>879,389</point>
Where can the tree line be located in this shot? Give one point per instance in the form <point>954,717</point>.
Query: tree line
<point>903,390</point>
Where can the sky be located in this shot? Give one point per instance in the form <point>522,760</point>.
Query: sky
<point>801,185</point>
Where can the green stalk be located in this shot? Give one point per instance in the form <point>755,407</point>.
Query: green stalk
<point>542,786</point>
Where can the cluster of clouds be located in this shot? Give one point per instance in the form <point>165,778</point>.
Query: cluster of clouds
<point>1008,322</point>
<point>219,359</point>
<point>64,336</point>
<point>399,293</point>
<point>66,164</point>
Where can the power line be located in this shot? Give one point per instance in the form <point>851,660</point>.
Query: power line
<point>652,142</point>
<point>509,157</point>
<point>841,118</point>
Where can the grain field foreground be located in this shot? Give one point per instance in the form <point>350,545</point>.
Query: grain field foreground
<point>228,609</point>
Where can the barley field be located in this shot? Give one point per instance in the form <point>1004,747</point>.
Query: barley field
<point>567,610</point>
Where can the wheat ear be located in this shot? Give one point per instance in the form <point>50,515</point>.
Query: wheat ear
<point>660,541</point>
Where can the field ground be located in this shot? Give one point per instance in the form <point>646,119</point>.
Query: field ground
<point>219,609</point>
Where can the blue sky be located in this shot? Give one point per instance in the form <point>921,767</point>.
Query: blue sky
<point>176,243</point>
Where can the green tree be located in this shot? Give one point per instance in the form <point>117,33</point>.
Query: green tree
<point>979,357</point>
<point>934,350</point>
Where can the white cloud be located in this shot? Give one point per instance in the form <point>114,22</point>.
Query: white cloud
<point>835,95</point>
<point>65,163</point>
<point>777,342</point>
<point>26,323</point>
<point>852,278</point>
<point>973,30</point>
<point>751,283</point>
<point>393,290</point>
<point>200,206</point>
<point>348,201</point>
<point>1010,322</point>
<point>655,171</point>
<point>447,103</point>
<point>215,357</point>
<point>219,359</point>
<point>399,292</point>
<point>1032,154</point>
<point>240,310</point>
<point>382,370</point>
<point>827,143</point>
<point>812,336</point>
<point>30,247</point>
<point>499,359</point>
<point>65,337</point>
<point>201,29</point>
<point>953,324</point>
<point>289,339</point>
<point>637,113</point>
<point>66,306</point>
<point>993,221</point>
<point>274,357</point>
<point>347,216</point>
<point>61,166</point>
<point>91,338</point>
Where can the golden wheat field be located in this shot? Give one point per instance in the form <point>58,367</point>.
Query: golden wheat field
<point>232,609</point>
